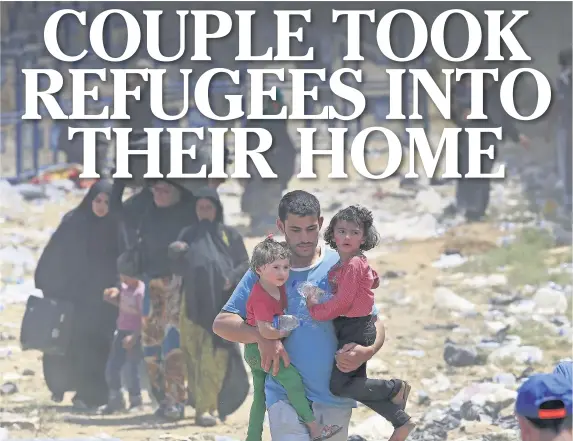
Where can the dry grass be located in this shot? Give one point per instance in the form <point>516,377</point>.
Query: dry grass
<point>525,261</point>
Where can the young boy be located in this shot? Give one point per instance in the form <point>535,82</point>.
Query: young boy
<point>126,347</point>
<point>270,261</point>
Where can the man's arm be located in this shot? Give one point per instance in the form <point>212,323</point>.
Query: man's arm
<point>229,323</point>
<point>232,327</point>
<point>352,356</point>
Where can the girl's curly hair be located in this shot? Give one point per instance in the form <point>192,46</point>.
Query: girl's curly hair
<point>362,217</point>
<point>267,252</point>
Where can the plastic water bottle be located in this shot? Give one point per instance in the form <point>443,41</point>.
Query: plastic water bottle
<point>285,322</point>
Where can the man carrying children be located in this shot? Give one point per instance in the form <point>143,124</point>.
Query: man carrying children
<point>312,349</point>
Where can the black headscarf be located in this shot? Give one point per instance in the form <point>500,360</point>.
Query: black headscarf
<point>102,186</point>
<point>104,230</point>
<point>213,196</point>
<point>79,260</point>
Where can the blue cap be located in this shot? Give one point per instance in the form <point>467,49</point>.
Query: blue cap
<point>541,388</point>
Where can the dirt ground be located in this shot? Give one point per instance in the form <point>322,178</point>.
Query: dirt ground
<point>407,324</point>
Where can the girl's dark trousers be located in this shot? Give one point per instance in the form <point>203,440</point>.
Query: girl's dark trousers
<point>376,394</point>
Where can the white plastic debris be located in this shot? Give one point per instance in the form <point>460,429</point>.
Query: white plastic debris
<point>550,301</point>
<point>449,261</point>
<point>483,393</point>
<point>516,354</point>
<point>445,298</point>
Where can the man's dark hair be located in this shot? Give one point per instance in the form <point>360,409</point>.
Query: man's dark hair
<point>360,216</point>
<point>267,252</point>
<point>555,425</point>
<point>300,203</point>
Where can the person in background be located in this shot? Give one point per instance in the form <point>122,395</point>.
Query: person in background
<point>496,117</point>
<point>565,370</point>
<point>126,348</point>
<point>154,226</point>
<point>472,195</point>
<point>544,407</point>
<point>211,258</point>
<point>460,111</point>
<point>260,195</point>
<point>78,263</point>
<point>564,120</point>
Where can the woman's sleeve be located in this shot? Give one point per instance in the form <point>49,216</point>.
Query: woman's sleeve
<point>178,256</point>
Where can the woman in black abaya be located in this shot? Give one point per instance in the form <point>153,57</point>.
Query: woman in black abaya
<point>211,258</point>
<point>76,266</point>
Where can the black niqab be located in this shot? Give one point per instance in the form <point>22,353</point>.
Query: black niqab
<point>78,263</point>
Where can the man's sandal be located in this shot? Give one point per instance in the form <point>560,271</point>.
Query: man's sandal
<point>328,432</point>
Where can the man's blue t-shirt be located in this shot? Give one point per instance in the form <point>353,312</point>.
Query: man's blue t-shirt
<point>312,346</point>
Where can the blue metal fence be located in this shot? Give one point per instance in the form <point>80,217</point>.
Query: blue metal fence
<point>35,143</point>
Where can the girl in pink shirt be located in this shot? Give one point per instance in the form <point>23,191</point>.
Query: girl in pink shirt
<point>351,232</point>
<point>126,347</point>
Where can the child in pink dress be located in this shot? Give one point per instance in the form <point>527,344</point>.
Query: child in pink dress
<point>351,232</point>
<point>126,347</point>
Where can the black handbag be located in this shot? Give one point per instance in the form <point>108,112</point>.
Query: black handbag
<point>47,325</point>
